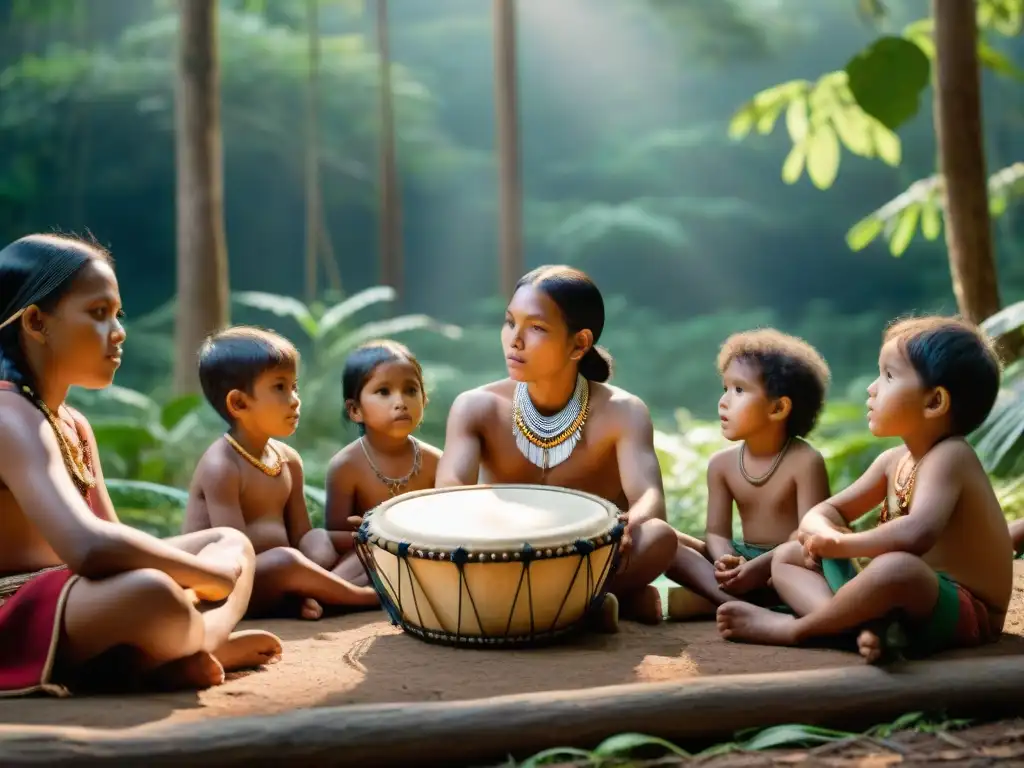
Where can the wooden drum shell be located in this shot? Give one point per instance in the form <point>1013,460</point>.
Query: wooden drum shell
<point>502,596</point>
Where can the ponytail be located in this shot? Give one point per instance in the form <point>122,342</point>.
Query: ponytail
<point>596,365</point>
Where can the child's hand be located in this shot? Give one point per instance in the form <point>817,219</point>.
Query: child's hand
<point>739,580</point>
<point>822,545</point>
<point>355,521</point>
<point>729,562</point>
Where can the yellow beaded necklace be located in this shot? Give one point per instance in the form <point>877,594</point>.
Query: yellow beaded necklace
<point>76,462</point>
<point>270,471</point>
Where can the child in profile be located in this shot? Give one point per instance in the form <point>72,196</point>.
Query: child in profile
<point>940,571</point>
<point>250,481</point>
<point>774,389</point>
<point>382,386</point>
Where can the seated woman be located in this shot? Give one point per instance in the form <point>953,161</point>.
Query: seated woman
<point>555,395</point>
<point>74,582</point>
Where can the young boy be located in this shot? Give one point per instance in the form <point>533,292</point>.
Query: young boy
<point>250,481</point>
<point>941,554</point>
<point>775,388</point>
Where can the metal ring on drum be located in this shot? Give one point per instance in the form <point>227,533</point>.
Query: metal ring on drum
<point>490,565</point>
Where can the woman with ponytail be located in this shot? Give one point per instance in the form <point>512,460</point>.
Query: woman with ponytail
<point>74,582</point>
<point>557,394</point>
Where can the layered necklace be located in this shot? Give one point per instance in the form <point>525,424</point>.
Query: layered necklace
<point>759,481</point>
<point>76,461</point>
<point>394,484</point>
<point>267,469</point>
<point>547,441</point>
<point>903,489</point>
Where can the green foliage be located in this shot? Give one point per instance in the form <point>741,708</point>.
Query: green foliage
<point>819,117</point>
<point>143,439</point>
<point>921,206</point>
<point>622,747</point>
<point>887,78</point>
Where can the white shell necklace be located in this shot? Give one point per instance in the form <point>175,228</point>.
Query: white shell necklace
<point>547,441</point>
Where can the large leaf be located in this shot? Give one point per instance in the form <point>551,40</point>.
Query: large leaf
<point>887,79</point>
<point>823,156</point>
<point>343,310</point>
<point>392,327</point>
<point>124,437</point>
<point>282,306</point>
<point>173,412</point>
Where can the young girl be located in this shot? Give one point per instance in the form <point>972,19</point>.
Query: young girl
<point>74,582</point>
<point>383,389</point>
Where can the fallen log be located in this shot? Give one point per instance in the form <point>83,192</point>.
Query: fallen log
<point>482,730</point>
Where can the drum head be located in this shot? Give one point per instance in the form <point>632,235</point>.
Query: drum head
<point>486,518</point>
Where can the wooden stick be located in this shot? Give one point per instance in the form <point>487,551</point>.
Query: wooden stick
<point>484,730</point>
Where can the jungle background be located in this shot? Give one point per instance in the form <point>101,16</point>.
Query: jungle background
<point>363,190</point>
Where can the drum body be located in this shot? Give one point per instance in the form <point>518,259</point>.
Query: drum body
<point>490,565</point>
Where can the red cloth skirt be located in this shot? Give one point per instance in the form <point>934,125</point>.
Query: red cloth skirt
<point>30,628</point>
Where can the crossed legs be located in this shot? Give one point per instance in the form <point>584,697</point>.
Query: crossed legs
<point>893,581</point>
<point>178,641</point>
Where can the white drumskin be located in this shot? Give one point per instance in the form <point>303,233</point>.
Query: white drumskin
<point>495,522</point>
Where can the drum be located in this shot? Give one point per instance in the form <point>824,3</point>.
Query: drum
<point>490,565</point>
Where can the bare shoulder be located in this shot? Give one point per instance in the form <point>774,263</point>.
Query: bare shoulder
<point>17,417</point>
<point>344,459</point>
<point>954,457</point>
<point>805,456</point>
<point>627,409</point>
<point>477,405</point>
<point>218,463</point>
<point>722,459</point>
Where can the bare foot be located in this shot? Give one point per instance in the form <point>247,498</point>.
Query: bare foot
<point>685,604</point>
<point>869,645</point>
<point>196,672</point>
<point>248,649</point>
<point>643,605</point>
<point>311,610</point>
<point>744,622</point>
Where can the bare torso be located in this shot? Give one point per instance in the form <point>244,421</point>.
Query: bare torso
<point>769,514</point>
<point>974,549</point>
<point>592,467</point>
<point>22,547</point>
<point>262,499</point>
<point>366,489</point>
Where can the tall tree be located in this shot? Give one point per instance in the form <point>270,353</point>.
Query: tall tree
<point>507,125</point>
<point>957,118</point>
<point>202,261</point>
<point>861,106</point>
<point>312,148</point>
<point>392,259</point>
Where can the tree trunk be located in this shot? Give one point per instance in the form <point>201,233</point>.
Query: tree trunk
<point>390,233</point>
<point>507,124</point>
<point>957,117</point>
<point>312,148</point>
<point>202,260</point>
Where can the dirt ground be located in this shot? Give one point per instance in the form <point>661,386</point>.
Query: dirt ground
<point>361,658</point>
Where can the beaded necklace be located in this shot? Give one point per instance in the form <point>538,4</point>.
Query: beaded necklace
<point>266,469</point>
<point>547,441</point>
<point>394,484</point>
<point>78,462</point>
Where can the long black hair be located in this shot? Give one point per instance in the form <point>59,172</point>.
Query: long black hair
<point>36,270</point>
<point>582,307</point>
